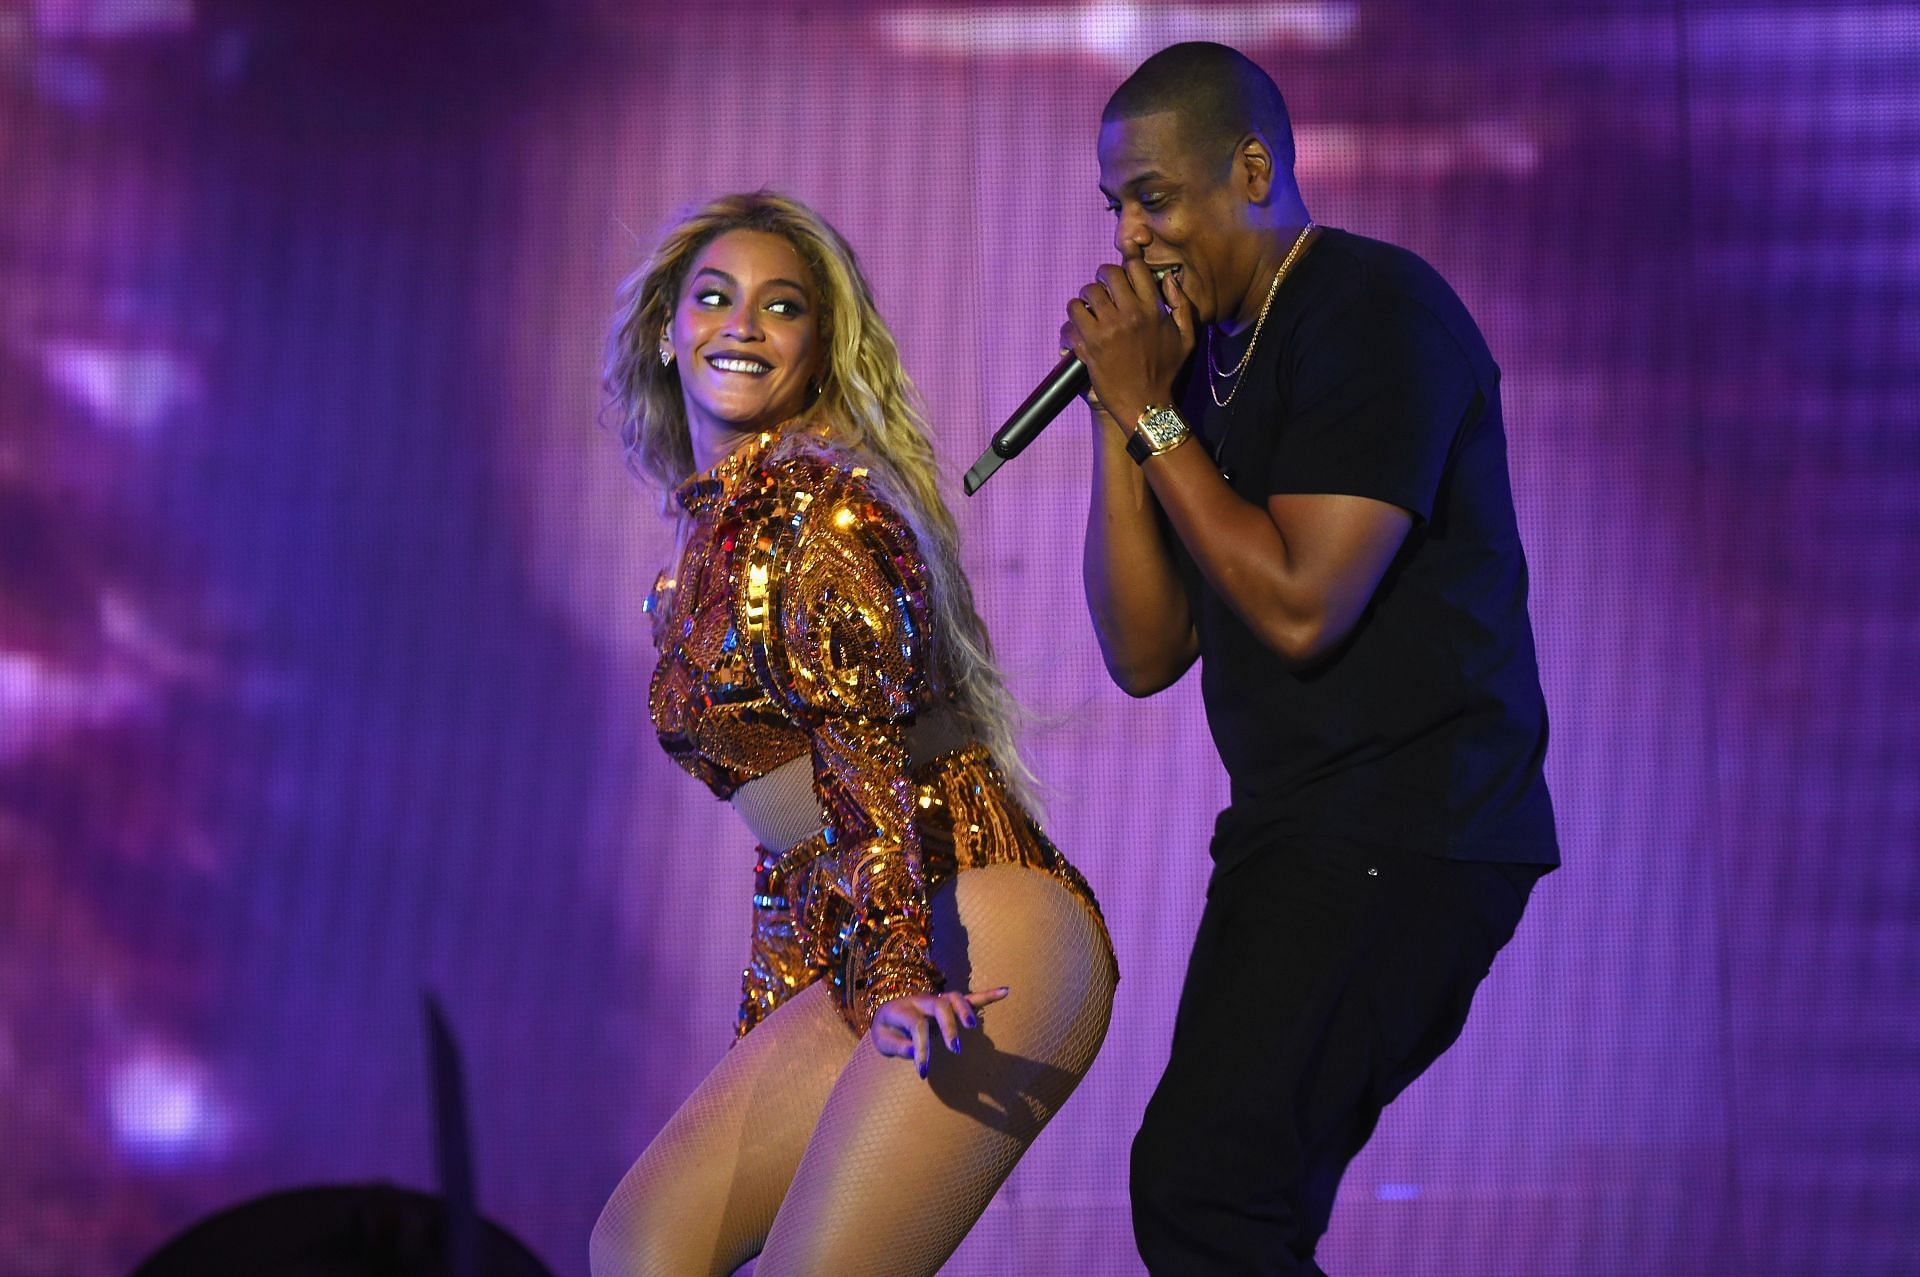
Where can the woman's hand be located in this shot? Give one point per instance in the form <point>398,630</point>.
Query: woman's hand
<point>904,1026</point>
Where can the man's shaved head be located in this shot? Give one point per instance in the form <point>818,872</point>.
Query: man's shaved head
<point>1219,94</point>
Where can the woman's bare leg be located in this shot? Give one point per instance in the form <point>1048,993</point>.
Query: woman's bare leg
<point>900,1167</point>
<point>701,1198</point>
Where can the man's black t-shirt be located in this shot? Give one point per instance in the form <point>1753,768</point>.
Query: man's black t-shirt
<point>1425,729</point>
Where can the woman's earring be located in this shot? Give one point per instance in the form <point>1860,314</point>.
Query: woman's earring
<point>666,355</point>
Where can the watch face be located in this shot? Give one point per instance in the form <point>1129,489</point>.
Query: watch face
<point>1164,427</point>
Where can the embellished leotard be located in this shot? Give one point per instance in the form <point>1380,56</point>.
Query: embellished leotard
<point>798,678</point>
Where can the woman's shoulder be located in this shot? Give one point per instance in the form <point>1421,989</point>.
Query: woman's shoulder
<point>840,566</point>
<point>804,459</point>
<point>831,481</point>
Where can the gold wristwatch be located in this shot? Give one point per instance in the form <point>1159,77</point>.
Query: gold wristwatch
<point>1159,430</point>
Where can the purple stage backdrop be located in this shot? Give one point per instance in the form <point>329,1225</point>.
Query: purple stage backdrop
<point>322,667</point>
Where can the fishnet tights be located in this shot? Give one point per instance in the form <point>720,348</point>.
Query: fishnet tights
<point>827,1157</point>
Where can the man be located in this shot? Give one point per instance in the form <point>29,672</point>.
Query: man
<point>1300,481</point>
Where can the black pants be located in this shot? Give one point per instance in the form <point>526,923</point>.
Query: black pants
<point>1324,979</point>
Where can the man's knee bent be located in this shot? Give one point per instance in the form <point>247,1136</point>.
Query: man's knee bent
<point>1162,1173</point>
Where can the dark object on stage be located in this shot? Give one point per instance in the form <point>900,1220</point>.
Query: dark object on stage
<point>1067,380</point>
<point>358,1230</point>
<point>453,1147</point>
<point>365,1230</point>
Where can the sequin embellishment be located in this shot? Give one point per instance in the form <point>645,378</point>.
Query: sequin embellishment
<point>797,623</point>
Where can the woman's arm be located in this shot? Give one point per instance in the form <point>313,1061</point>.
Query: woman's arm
<point>855,625</point>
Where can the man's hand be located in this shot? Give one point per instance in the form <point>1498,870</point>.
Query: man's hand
<point>903,1027</point>
<point>1102,419</point>
<point>1133,335</point>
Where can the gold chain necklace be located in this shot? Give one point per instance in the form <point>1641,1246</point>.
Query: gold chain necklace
<point>1235,372</point>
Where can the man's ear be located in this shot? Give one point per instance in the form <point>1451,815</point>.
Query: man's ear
<point>1253,167</point>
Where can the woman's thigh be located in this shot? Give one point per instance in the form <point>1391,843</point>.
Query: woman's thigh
<point>702,1196</point>
<point>900,1167</point>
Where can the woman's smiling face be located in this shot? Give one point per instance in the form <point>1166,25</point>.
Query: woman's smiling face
<point>746,338</point>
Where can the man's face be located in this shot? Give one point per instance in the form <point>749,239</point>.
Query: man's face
<point>1175,207</point>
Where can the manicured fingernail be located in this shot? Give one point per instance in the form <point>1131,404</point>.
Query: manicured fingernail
<point>973,1022</point>
<point>954,1046</point>
<point>923,1070</point>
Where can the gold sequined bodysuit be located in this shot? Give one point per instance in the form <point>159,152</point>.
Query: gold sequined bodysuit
<point>797,625</point>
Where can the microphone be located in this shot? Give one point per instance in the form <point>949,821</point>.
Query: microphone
<point>1050,398</point>
<point>1066,382</point>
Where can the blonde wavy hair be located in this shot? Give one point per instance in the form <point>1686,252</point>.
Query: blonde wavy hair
<point>866,403</point>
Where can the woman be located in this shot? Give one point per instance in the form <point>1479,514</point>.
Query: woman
<point>928,978</point>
